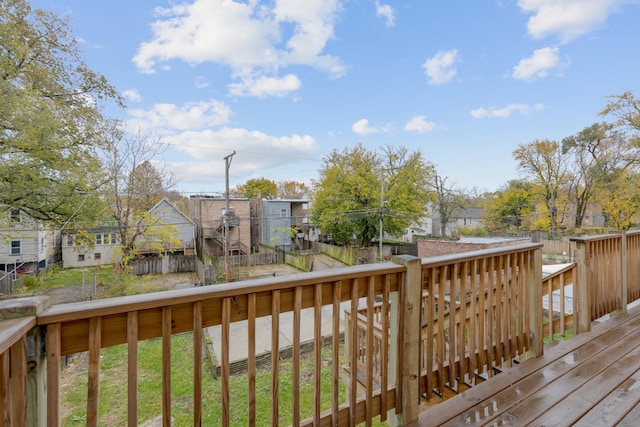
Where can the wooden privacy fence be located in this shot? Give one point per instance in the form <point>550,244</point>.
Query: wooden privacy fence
<point>163,264</point>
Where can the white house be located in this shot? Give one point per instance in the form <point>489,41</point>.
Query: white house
<point>25,244</point>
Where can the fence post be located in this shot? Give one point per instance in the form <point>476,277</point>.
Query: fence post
<point>36,403</point>
<point>581,297</point>
<point>409,334</point>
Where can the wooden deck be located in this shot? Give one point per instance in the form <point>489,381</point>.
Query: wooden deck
<point>592,379</point>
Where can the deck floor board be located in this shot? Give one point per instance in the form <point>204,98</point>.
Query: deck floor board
<point>591,379</point>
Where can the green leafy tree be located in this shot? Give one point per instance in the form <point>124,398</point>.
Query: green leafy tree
<point>545,164</point>
<point>620,200</point>
<point>50,117</point>
<point>510,208</point>
<point>136,184</point>
<point>292,188</point>
<point>262,186</point>
<point>358,188</point>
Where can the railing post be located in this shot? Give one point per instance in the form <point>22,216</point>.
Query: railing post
<point>36,357</point>
<point>623,271</point>
<point>409,335</point>
<point>535,304</point>
<point>581,297</point>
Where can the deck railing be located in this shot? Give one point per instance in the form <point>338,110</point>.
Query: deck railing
<point>444,321</point>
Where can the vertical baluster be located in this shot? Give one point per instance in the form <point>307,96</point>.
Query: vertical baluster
<point>275,355</point>
<point>197,364</point>
<point>93,392</point>
<point>297,305</point>
<point>132,367</point>
<point>369,349</point>
<point>224,368</point>
<point>473,323</point>
<point>490,340</point>
<point>451,339</point>
<point>53,375</point>
<point>4,388</point>
<point>251,361</point>
<point>430,318</point>
<point>353,363</point>
<point>462,328</point>
<point>500,295</point>
<point>317,352</point>
<point>440,352</point>
<point>335,375</point>
<point>18,373</point>
<point>384,351</point>
<point>166,366</point>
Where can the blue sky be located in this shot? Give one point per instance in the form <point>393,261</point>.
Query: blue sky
<point>285,82</point>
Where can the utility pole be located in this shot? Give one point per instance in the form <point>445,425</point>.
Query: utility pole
<point>225,217</point>
<point>381,212</point>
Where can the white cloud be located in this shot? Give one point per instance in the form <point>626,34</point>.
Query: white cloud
<point>254,38</point>
<point>168,118</point>
<point>385,11</point>
<point>266,86</point>
<point>538,65</point>
<point>132,95</point>
<point>419,124</point>
<point>440,68</point>
<point>568,19</point>
<point>255,151</point>
<point>200,82</point>
<point>505,112</point>
<point>361,127</point>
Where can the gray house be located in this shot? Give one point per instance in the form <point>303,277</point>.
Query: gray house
<point>106,242</point>
<point>285,222</point>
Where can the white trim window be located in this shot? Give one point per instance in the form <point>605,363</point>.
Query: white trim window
<point>16,247</point>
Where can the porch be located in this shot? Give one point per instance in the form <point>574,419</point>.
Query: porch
<point>590,380</point>
<point>421,329</point>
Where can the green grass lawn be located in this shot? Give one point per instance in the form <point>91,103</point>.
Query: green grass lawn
<point>113,386</point>
<point>103,277</point>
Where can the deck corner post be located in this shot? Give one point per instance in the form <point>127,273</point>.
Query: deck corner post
<point>535,304</point>
<point>409,332</point>
<point>581,296</point>
<point>34,352</point>
<point>623,273</point>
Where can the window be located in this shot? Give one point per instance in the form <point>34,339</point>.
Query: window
<point>42,245</point>
<point>114,239</point>
<point>16,247</point>
<point>97,255</point>
<point>15,215</point>
<point>98,239</point>
<point>70,239</point>
<point>283,213</point>
<point>80,257</point>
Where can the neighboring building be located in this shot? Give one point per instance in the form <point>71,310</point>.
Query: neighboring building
<point>210,214</point>
<point>183,232</point>
<point>469,217</point>
<point>285,222</point>
<point>25,244</point>
<point>103,250</point>
<point>106,241</point>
